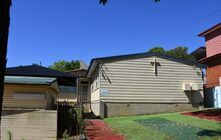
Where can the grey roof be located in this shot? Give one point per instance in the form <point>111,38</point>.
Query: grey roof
<point>35,70</point>
<point>95,61</point>
<point>29,80</point>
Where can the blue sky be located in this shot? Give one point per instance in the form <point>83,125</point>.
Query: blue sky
<point>49,30</point>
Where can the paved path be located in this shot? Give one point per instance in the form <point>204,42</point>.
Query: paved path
<point>99,130</point>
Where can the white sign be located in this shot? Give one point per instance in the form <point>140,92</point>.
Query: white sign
<point>220,81</point>
<point>104,92</point>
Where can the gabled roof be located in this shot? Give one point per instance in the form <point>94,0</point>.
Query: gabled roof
<point>94,62</point>
<point>199,53</point>
<point>201,49</point>
<point>36,71</point>
<point>29,80</point>
<point>210,30</point>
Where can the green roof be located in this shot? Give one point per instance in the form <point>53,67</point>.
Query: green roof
<point>29,80</point>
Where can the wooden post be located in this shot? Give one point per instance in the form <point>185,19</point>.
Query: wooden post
<point>4,30</point>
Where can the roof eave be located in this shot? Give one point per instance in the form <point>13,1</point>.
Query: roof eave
<point>203,34</point>
<point>93,65</point>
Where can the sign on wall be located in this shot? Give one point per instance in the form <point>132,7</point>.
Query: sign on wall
<point>217,97</point>
<point>220,81</point>
<point>104,92</point>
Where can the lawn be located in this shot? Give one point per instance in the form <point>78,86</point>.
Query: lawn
<point>165,127</point>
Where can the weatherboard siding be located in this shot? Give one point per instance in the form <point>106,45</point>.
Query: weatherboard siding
<point>134,80</point>
<point>10,89</point>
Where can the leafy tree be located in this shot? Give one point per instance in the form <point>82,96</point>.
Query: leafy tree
<point>157,49</point>
<point>180,52</point>
<point>63,65</point>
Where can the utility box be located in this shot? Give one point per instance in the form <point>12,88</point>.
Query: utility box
<point>194,86</point>
<point>186,86</point>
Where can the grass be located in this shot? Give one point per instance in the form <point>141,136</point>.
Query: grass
<point>165,127</point>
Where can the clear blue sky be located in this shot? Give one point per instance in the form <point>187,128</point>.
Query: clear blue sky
<point>48,30</point>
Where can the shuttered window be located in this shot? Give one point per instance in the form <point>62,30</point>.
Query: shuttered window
<point>29,96</point>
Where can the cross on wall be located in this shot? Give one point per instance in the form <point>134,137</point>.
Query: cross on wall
<point>155,64</point>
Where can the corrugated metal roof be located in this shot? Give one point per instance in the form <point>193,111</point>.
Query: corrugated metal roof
<point>95,61</point>
<point>29,80</point>
<point>36,71</point>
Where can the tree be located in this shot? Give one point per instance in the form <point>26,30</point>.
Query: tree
<point>157,50</point>
<point>4,30</point>
<point>180,52</point>
<point>63,65</point>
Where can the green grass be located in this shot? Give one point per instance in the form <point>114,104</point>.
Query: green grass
<point>134,127</point>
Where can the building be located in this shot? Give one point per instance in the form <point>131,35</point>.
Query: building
<point>83,87</point>
<point>33,93</point>
<point>67,86</point>
<point>22,92</point>
<point>144,83</point>
<point>213,61</point>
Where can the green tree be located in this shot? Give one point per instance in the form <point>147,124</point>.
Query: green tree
<point>63,65</point>
<point>157,50</point>
<point>179,52</point>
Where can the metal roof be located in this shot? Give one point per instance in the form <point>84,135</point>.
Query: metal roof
<point>36,71</point>
<point>210,30</point>
<point>29,80</point>
<point>94,62</point>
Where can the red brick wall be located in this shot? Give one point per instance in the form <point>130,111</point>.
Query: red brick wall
<point>212,76</point>
<point>213,43</point>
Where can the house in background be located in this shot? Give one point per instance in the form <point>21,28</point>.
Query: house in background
<point>213,61</point>
<point>32,93</point>
<point>67,87</point>
<point>22,92</point>
<point>144,83</point>
<point>83,86</point>
<point>199,53</point>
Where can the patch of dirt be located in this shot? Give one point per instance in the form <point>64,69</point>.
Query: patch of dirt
<point>99,130</point>
<point>212,114</point>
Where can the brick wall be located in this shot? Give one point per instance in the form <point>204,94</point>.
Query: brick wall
<point>213,43</point>
<point>212,76</point>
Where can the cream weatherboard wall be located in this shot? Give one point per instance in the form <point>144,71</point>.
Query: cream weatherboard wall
<point>131,86</point>
<point>9,100</point>
<point>95,92</point>
<point>134,80</point>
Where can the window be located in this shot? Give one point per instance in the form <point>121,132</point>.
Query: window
<point>67,89</point>
<point>92,88</point>
<point>29,96</point>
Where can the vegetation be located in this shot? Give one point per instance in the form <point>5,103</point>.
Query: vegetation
<point>180,52</point>
<point>63,65</point>
<point>159,127</point>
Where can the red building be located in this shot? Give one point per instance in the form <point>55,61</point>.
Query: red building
<point>213,55</point>
<point>213,63</point>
